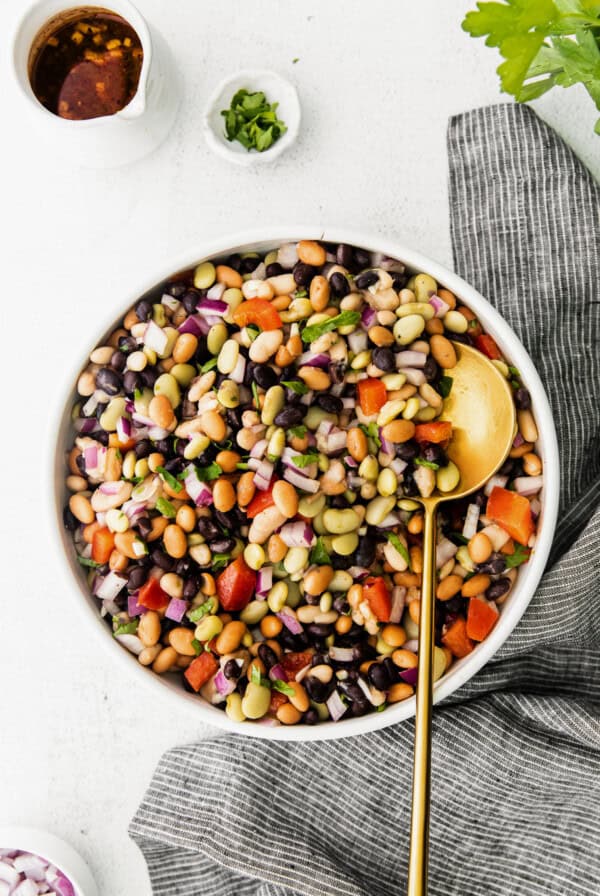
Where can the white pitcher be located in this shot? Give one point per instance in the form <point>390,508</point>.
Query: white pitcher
<point>110,140</point>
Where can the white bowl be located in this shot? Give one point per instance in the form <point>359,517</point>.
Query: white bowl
<point>529,575</point>
<point>277,90</point>
<point>53,850</point>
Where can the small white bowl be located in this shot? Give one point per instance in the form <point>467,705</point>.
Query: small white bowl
<point>277,90</point>
<point>53,850</point>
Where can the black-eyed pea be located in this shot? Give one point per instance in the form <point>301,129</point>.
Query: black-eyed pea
<point>81,508</point>
<point>181,639</point>
<point>165,660</point>
<point>175,541</point>
<point>399,691</point>
<point>149,654</point>
<point>149,629</point>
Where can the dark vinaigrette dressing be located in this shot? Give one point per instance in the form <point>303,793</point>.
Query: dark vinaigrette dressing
<point>87,67</point>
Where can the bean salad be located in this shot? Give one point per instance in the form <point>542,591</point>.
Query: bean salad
<point>247,448</point>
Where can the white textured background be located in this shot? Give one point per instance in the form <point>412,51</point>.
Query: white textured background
<point>377,82</point>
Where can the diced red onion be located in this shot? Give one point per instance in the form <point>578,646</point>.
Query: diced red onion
<point>211,308</point>
<point>307,485</point>
<point>398,466</point>
<point>310,359</point>
<point>224,686</point>
<point>411,359</point>
<point>324,428</point>
<point>413,376</point>
<point>392,519</point>
<point>90,457</point>
<point>277,672</point>
<point>263,475</point>
<point>335,706</point>
<point>358,341</point>
<point>297,535</point>
<point>194,324</point>
<point>398,602</point>
<point>366,690</point>
<point>268,722</point>
<point>350,462</point>
<point>410,676</point>
<point>123,429</point>
<point>176,609</point>
<point>110,586</point>
<point>170,301</point>
<point>497,535</point>
<point>85,425</point>
<point>336,441</point>
<point>198,491</point>
<point>412,644</point>
<point>536,507</point>
<point>239,371</point>
<point>157,433</point>
<point>444,551</point>
<point>528,485</point>
<point>386,446</point>
<point>349,402</point>
<point>8,874</point>
<point>341,654</point>
<point>439,306</point>
<point>307,399</point>
<point>131,642</point>
<point>143,419</point>
<point>290,620</point>
<point>133,510</point>
<point>368,317</point>
<point>494,481</point>
<point>111,607</point>
<point>264,581</point>
<point>92,403</point>
<point>358,572</point>
<point>155,338</point>
<point>258,450</point>
<point>471,520</point>
<point>518,441</point>
<point>133,608</point>
<point>216,291</point>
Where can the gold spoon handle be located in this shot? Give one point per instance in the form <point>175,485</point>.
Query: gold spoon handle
<point>419,826</point>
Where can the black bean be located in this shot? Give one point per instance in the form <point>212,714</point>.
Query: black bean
<point>265,376</point>
<point>399,280</point>
<point>175,465</point>
<point>143,310</point>
<point>177,290</point>
<point>131,382</point>
<point>118,362</point>
<point>352,690</point>
<point>207,527</point>
<point>366,279</point>
<point>190,300</point>
<point>463,338</point>
<point>522,399</point>
<point>494,566</point>
<point>365,553</point>
<point>290,417</point>
<point>227,520</point>
<point>407,450</point>
<point>384,359</point>
<point>188,409</point>
<point>341,605</point>
<point>143,448</point>
<point>391,669</point>
<point>231,670</point>
<point>235,261</point>
<point>330,403</point>
<point>339,285</point>
<point>127,344</point>
<point>507,467</point>
<point>108,380</point>
<point>161,558</point>
<point>149,376</point>
<point>409,485</point>
<point>312,599</point>
<point>268,656</point>
<point>136,578</point>
<point>319,629</point>
<point>498,588</point>
<point>80,464</point>
<point>234,418</point>
<point>190,589</point>
<point>248,265</point>
<point>318,690</point>
<point>311,717</point>
<point>338,561</point>
<point>274,269</point>
<point>378,677</point>
<point>180,446</point>
<point>101,437</point>
<point>337,372</point>
<point>433,453</point>
<point>221,545</point>
<point>184,567</point>
<point>431,369</point>
<point>339,502</point>
<point>344,256</point>
<point>70,521</point>
<point>362,258</point>
<point>303,273</point>
<point>100,408</point>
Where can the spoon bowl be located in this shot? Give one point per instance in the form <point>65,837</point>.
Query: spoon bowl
<point>482,412</point>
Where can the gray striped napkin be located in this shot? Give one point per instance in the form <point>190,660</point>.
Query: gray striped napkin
<point>516,752</point>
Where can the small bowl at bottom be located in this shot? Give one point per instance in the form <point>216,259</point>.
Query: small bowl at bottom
<point>54,851</point>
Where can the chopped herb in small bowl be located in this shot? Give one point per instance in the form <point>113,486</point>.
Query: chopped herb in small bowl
<point>252,120</point>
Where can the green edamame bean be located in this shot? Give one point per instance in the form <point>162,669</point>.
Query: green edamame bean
<point>205,275</point>
<point>208,628</point>
<point>183,373</point>
<point>369,468</point>
<point>294,597</point>
<point>345,544</point>
<point>233,707</point>
<point>159,315</point>
<point>256,700</point>
<point>447,478</point>
<point>295,560</point>
<point>311,507</point>
<point>168,386</point>
<point>277,597</point>
<point>229,394</point>
<point>339,522</point>
<point>387,482</point>
<point>424,287</point>
<point>273,404</point>
<point>216,338</point>
<point>114,409</point>
<point>254,612</point>
<point>378,509</point>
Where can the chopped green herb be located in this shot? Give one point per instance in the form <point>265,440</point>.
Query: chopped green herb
<point>171,481</point>
<point>283,687</point>
<point>519,556</point>
<point>137,394</point>
<point>458,537</point>
<point>203,610</point>
<point>514,371</point>
<point>305,460</point>
<point>257,678</point>
<point>296,386</point>
<point>381,707</point>
<point>253,331</point>
<point>252,121</point>
<point>220,560</point>
<point>242,466</point>
<point>207,474</point>
<point>135,480</point>
<point>300,293</point>
<point>398,546</point>
<point>208,365</point>
<point>272,458</point>
<point>91,563</point>
<point>319,554</point>
<point>166,508</point>
<point>127,628</point>
<point>256,396</point>
<point>345,319</point>
<point>515,384</point>
<point>372,432</point>
<point>297,432</point>
<point>445,386</point>
<point>295,60</point>
<point>197,646</point>
<point>426,463</point>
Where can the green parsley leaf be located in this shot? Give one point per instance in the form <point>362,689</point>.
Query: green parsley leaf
<point>171,481</point>
<point>295,60</point>
<point>137,394</point>
<point>209,365</point>
<point>242,466</point>
<point>398,546</point>
<point>252,121</point>
<point>166,508</point>
<point>458,537</point>
<point>319,554</point>
<point>296,386</point>
<point>207,474</point>
<point>220,560</point>
<point>283,687</point>
<point>519,556</point>
<point>305,460</point>
<point>445,386</point>
<point>203,610</point>
<point>257,678</point>
<point>301,293</point>
<point>197,646</point>
<point>91,563</point>
<point>253,331</point>
<point>372,432</point>
<point>426,463</point>
<point>514,371</point>
<point>345,319</point>
<point>381,707</point>
<point>256,396</point>
<point>127,628</point>
<point>297,432</point>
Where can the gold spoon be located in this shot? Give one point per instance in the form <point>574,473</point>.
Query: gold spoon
<point>481,409</point>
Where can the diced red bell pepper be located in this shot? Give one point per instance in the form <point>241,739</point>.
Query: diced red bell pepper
<point>376,592</point>
<point>260,502</point>
<point>487,345</point>
<point>456,639</point>
<point>103,542</point>
<point>277,700</point>
<point>294,661</point>
<point>200,670</point>
<point>259,312</point>
<point>481,618</point>
<point>152,596</point>
<point>441,431</point>
<point>236,585</point>
<point>512,512</point>
<point>372,395</point>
